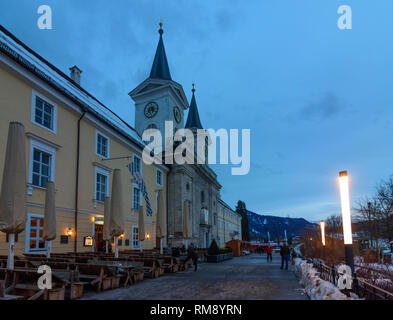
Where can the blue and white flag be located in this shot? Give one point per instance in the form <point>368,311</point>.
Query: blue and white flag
<point>141,185</point>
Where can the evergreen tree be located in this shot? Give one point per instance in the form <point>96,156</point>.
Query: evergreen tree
<point>241,209</point>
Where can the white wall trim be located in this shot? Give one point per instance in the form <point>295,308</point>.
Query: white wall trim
<point>40,145</point>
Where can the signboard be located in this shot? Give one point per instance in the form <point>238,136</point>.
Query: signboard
<point>88,241</point>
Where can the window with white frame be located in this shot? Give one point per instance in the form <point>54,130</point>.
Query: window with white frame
<point>34,234</point>
<point>135,237</point>
<point>43,112</point>
<point>137,163</point>
<point>159,177</point>
<point>102,145</point>
<point>136,198</point>
<point>42,164</point>
<point>101,184</point>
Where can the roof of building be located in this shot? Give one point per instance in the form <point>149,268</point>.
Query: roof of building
<point>228,206</point>
<point>29,59</point>
<point>160,67</point>
<point>193,120</point>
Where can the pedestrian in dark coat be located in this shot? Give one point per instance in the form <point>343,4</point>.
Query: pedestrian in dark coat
<point>192,254</point>
<point>284,252</point>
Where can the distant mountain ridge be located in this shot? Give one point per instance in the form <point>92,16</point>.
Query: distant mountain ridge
<point>260,225</point>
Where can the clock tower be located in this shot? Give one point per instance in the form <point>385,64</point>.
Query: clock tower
<point>159,98</point>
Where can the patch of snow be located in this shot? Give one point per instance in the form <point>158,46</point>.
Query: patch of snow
<point>315,287</point>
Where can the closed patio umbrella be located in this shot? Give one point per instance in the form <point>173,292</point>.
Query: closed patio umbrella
<point>141,226</point>
<point>186,221</point>
<point>13,188</point>
<point>116,220</point>
<point>107,212</point>
<point>161,219</point>
<point>50,216</point>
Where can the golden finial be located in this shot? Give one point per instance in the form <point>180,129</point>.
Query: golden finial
<point>161,24</point>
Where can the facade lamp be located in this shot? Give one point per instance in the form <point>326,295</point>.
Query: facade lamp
<point>346,218</point>
<point>147,236</point>
<point>69,232</point>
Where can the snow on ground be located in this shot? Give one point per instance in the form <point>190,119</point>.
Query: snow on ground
<point>315,287</point>
<point>387,268</point>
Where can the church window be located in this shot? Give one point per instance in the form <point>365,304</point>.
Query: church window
<point>159,177</point>
<point>188,186</point>
<point>202,196</point>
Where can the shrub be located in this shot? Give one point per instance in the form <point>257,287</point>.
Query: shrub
<point>213,249</point>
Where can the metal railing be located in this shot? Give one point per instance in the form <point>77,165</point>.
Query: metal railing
<point>360,287</point>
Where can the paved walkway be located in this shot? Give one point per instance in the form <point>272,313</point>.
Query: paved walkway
<point>242,278</point>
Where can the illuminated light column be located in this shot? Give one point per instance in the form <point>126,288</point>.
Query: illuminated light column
<point>323,232</point>
<point>346,218</point>
<point>322,223</point>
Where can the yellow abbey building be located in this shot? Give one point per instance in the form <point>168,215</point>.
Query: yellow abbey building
<point>229,224</point>
<point>77,142</point>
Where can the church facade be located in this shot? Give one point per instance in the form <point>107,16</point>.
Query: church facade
<point>191,187</point>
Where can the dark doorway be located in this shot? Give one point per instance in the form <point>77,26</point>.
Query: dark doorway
<point>99,244</point>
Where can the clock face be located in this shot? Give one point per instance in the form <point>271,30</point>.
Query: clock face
<point>177,114</point>
<point>151,109</point>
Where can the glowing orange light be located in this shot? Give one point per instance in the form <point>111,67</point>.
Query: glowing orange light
<point>69,232</point>
<point>323,232</point>
<point>147,235</point>
<point>345,206</point>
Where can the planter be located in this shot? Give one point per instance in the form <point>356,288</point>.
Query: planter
<point>219,257</point>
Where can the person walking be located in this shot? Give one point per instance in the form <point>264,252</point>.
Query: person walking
<point>294,255</point>
<point>284,252</point>
<point>269,251</point>
<point>193,256</point>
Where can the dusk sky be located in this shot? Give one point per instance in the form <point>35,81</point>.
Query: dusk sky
<point>317,99</point>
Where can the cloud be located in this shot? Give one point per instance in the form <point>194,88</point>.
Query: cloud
<point>324,108</point>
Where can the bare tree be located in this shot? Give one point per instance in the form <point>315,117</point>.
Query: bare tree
<point>385,197</point>
<point>368,212</point>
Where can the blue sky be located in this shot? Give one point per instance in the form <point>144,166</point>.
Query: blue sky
<point>317,99</point>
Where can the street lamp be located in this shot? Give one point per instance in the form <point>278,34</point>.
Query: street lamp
<point>322,223</point>
<point>346,218</point>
